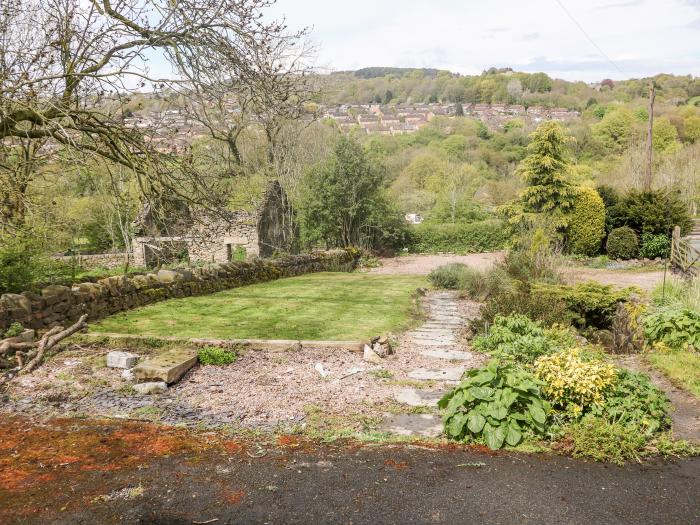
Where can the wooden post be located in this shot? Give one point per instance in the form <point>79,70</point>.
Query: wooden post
<point>649,178</point>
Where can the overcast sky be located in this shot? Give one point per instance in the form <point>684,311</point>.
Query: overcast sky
<point>626,38</point>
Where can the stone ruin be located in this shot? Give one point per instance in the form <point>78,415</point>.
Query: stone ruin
<point>217,237</point>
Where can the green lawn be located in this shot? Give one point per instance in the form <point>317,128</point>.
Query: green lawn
<point>320,306</point>
<point>682,367</point>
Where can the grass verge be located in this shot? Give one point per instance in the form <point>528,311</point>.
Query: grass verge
<point>682,367</point>
<point>321,306</point>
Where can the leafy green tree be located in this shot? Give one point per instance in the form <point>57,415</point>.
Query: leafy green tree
<point>665,135</point>
<point>545,171</point>
<point>586,223</point>
<point>344,203</point>
<point>615,130</point>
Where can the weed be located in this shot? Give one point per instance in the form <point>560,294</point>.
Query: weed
<point>150,413</point>
<point>601,440</point>
<point>216,356</point>
<point>381,374</point>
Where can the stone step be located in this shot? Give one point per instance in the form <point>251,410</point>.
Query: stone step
<point>419,398</point>
<point>433,342</point>
<point>168,366</point>
<point>450,355</point>
<point>424,425</point>
<point>437,374</point>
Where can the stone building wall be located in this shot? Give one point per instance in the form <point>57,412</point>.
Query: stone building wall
<point>62,305</point>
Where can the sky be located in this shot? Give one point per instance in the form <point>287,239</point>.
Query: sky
<point>572,39</point>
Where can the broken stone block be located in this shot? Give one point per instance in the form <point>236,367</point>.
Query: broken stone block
<point>371,356</point>
<point>128,375</point>
<point>155,387</point>
<point>121,360</point>
<point>168,366</point>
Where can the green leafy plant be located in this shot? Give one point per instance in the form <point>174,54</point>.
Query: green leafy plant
<point>634,400</point>
<point>573,383</point>
<point>655,245</point>
<point>498,404</point>
<point>14,330</point>
<point>677,328</point>
<point>216,356</point>
<point>519,338</point>
<point>603,440</point>
<point>655,212</point>
<point>622,243</point>
<point>592,304</point>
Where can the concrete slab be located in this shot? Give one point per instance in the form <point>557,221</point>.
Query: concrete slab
<point>424,425</point>
<point>168,366</point>
<point>433,342</point>
<point>450,355</point>
<point>437,374</point>
<point>419,398</point>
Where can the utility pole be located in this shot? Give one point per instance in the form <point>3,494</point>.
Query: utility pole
<point>648,179</point>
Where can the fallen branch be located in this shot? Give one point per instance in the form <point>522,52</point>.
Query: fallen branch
<point>28,360</point>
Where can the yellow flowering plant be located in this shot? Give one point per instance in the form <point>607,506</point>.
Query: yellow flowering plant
<point>573,383</point>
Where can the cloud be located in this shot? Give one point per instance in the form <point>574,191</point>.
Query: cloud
<point>627,3</point>
<point>470,36</point>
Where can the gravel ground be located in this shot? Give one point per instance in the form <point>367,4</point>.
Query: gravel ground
<point>262,389</point>
<point>424,264</point>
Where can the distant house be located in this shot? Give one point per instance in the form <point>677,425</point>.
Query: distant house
<point>413,218</point>
<point>216,236</point>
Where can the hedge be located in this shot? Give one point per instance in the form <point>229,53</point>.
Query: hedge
<point>473,237</point>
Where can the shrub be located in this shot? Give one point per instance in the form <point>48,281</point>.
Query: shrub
<point>498,404</point>
<point>459,277</point>
<point>655,245</point>
<point>655,212</point>
<point>475,237</point>
<point>586,223</point>
<point>677,328</point>
<point>602,440</point>
<point>634,400</point>
<point>591,304</point>
<point>572,383</point>
<point>622,243</point>
<point>518,338</point>
<point>515,297</point>
<point>448,276</point>
<point>23,266</point>
<point>14,330</point>
<point>217,356</point>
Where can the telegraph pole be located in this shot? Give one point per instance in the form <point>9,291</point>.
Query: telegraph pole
<point>648,179</point>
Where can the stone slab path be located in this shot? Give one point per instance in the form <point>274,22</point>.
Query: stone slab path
<point>439,339</point>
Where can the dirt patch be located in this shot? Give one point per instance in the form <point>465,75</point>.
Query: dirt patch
<point>686,407</point>
<point>424,264</point>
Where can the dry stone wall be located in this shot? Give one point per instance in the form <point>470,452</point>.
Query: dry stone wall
<point>61,305</point>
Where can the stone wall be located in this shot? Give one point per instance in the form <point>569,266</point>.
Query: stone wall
<point>100,260</point>
<point>61,305</point>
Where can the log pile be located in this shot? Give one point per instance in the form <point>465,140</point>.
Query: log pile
<point>22,357</point>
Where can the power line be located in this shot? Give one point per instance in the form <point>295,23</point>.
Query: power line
<point>587,35</point>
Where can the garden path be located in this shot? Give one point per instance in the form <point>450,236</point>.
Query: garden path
<point>438,339</point>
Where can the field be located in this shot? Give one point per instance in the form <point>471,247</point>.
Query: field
<point>322,306</point>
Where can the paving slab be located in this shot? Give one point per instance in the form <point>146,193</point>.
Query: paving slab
<point>416,397</point>
<point>450,355</point>
<point>437,374</point>
<point>425,425</point>
<point>168,366</point>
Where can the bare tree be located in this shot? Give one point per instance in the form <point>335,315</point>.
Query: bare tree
<point>66,65</point>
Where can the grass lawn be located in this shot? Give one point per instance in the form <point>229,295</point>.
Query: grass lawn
<point>319,306</point>
<point>683,368</point>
